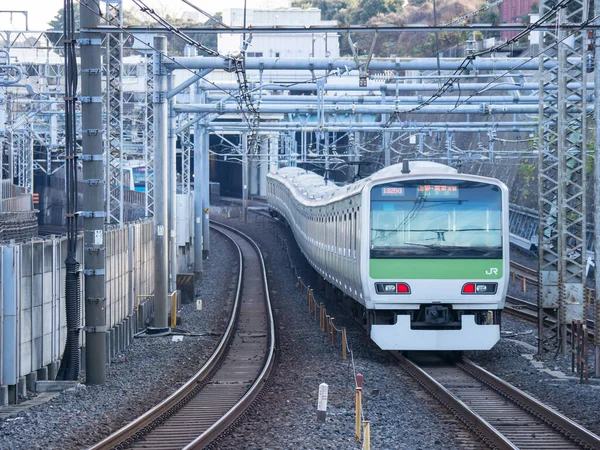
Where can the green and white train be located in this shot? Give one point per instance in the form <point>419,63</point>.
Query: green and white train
<point>421,250</point>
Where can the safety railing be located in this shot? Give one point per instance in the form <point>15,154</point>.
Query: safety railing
<point>579,350</point>
<point>318,310</point>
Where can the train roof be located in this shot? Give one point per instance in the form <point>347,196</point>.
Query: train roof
<point>315,187</point>
<point>415,167</point>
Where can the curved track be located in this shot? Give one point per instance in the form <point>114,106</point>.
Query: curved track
<point>227,384</point>
<point>529,311</point>
<point>501,415</point>
<point>524,272</point>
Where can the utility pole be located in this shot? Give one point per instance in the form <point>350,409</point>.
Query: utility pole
<point>205,197</point>
<point>245,175</point>
<point>172,196</point>
<point>199,147</point>
<point>597,183</point>
<point>93,197</point>
<point>161,184</point>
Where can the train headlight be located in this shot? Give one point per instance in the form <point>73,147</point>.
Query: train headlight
<point>479,288</point>
<point>392,288</point>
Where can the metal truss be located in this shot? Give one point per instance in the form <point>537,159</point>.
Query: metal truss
<point>186,155</point>
<point>185,135</point>
<point>45,72</point>
<point>562,178</point>
<point>114,115</point>
<point>22,160</point>
<point>149,133</point>
<point>30,39</point>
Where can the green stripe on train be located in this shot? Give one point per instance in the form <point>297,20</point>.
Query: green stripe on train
<point>476,269</point>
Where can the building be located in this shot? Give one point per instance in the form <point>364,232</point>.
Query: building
<point>512,11</point>
<point>291,45</point>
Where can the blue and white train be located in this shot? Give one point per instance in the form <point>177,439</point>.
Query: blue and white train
<point>420,251</point>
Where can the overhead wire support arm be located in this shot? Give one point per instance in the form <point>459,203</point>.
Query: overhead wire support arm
<point>237,64</point>
<point>363,68</point>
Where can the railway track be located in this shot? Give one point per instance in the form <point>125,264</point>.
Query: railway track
<point>523,272</point>
<point>531,276</point>
<point>529,311</point>
<point>225,387</point>
<point>502,416</point>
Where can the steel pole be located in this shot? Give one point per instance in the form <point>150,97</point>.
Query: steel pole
<point>161,183</point>
<point>597,184</point>
<point>205,196</point>
<point>245,175</point>
<point>172,197</point>
<point>199,140</point>
<point>93,198</point>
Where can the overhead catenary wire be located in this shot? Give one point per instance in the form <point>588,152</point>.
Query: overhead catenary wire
<point>237,63</point>
<point>255,119</point>
<point>465,63</point>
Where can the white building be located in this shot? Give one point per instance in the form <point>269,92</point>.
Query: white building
<point>291,45</point>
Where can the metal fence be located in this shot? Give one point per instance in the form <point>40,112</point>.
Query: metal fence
<point>32,295</point>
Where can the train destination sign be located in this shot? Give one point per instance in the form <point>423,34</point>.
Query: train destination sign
<point>438,190</point>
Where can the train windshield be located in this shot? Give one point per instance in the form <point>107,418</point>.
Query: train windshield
<point>139,175</point>
<point>436,218</point>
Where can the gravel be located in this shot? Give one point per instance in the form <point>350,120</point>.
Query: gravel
<point>401,415</point>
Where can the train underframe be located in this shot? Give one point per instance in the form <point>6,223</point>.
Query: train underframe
<point>431,327</point>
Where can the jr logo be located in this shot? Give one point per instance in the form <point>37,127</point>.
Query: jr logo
<point>492,271</point>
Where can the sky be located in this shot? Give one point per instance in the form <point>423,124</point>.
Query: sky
<point>40,12</point>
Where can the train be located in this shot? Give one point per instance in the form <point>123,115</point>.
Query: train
<point>134,176</point>
<point>419,251</point>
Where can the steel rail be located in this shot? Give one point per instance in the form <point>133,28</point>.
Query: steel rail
<point>484,430</point>
<point>155,416</point>
<point>498,418</point>
<point>529,311</point>
<point>556,420</point>
<point>527,273</point>
<point>230,417</point>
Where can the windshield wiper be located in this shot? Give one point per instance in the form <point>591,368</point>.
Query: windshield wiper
<point>432,246</point>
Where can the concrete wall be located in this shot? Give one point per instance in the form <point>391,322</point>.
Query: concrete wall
<point>32,299</point>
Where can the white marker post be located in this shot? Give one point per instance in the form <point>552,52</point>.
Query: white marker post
<point>322,403</point>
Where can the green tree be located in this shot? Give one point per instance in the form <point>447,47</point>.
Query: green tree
<point>491,16</point>
<point>367,9</point>
<point>330,9</point>
<point>57,25</point>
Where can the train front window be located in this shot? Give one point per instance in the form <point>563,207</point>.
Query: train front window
<point>436,219</point>
<point>139,175</point>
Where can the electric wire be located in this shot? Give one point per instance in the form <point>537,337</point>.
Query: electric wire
<point>444,88</point>
<point>466,62</point>
<point>70,364</point>
<point>238,63</point>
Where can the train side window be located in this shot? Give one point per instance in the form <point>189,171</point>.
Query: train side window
<point>348,234</point>
<point>356,231</point>
<point>335,232</point>
<point>353,231</point>
<point>345,233</point>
